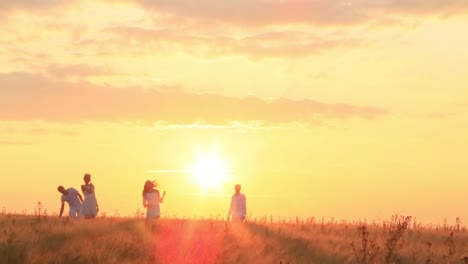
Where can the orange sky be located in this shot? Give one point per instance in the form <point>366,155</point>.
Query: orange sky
<point>345,109</point>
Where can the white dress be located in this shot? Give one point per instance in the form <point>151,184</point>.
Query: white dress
<point>152,200</point>
<point>89,207</point>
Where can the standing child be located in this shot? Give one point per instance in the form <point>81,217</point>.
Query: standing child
<point>151,200</point>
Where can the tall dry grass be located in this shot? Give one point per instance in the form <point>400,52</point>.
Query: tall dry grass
<point>39,238</point>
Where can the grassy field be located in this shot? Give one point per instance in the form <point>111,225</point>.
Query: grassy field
<point>47,239</point>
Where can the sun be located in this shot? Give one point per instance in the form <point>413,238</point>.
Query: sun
<point>209,172</point>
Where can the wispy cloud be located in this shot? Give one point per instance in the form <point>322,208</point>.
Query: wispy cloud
<point>236,126</point>
<point>283,29</point>
<point>27,4</point>
<point>78,70</point>
<point>25,96</point>
<point>318,76</point>
<point>13,142</point>
<point>318,12</point>
<point>167,171</point>
<point>22,56</point>
<point>266,44</point>
<point>36,6</point>
<point>8,130</point>
<point>37,131</point>
<point>449,111</point>
<point>270,12</point>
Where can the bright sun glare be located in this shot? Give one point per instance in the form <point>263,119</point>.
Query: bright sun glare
<point>209,172</point>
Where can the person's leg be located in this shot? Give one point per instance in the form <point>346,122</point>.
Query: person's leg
<point>75,211</point>
<point>72,211</point>
<point>148,216</point>
<point>238,218</point>
<point>79,210</point>
<point>152,213</point>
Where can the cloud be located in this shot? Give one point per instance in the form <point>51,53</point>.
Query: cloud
<point>270,12</point>
<point>440,115</point>
<point>15,142</point>
<point>25,96</point>
<point>267,44</point>
<point>38,131</point>
<point>430,7</point>
<point>77,70</point>
<point>28,4</point>
<point>35,6</point>
<point>34,129</point>
<point>317,12</point>
<point>451,111</point>
<point>8,130</point>
<point>318,76</point>
<point>257,12</point>
<point>69,133</point>
<point>235,126</point>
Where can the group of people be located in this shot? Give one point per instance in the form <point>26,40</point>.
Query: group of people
<point>88,207</point>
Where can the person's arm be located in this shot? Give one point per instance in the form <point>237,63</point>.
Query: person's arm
<point>230,209</point>
<point>61,209</point>
<point>245,206</point>
<point>162,198</point>
<point>144,202</point>
<point>81,198</point>
<point>97,204</point>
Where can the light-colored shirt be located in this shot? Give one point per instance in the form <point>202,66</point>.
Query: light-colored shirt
<point>71,197</point>
<point>238,205</point>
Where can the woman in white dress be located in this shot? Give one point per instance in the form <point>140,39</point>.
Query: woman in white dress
<point>151,200</point>
<point>90,206</point>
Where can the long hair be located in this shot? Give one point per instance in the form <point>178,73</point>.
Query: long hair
<point>150,186</point>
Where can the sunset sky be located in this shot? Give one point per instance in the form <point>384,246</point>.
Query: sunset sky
<point>345,109</point>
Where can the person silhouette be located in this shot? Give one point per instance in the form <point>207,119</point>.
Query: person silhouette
<point>238,208</point>
<point>151,200</point>
<point>90,207</point>
<point>73,198</point>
